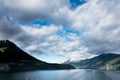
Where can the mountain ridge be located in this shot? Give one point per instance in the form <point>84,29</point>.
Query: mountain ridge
<point>110,60</point>
<point>12,52</point>
<point>12,58</point>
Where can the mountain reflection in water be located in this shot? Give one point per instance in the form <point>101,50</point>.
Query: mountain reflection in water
<point>79,74</point>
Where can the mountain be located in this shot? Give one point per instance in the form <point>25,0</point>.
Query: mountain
<point>9,52</point>
<point>12,58</point>
<point>108,61</point>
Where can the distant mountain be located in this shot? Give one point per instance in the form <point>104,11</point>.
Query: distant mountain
<point>104,61</point>
<point>12,58</point>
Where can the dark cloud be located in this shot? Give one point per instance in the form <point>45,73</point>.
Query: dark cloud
<point>12,31</point>
<point>8,29</point>
<point>37,9</point>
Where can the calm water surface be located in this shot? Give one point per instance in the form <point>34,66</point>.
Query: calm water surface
<point>79,74</point>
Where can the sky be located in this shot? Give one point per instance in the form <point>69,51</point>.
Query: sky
<point>61,30</point>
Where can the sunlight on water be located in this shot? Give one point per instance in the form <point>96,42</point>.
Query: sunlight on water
<point>62,75</point>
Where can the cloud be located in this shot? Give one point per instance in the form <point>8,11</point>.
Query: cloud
<point>37,9</point>
<point>72,49</point>
<point>88,29</point>
<point>1,10</point>
<point>99,23</point>
<point>8,29</point>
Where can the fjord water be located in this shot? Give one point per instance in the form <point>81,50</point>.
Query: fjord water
<point>79,74</point>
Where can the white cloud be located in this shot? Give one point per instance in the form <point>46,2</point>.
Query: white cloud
<point>41,31</point>
<point>97,21</point>
<point>59,45</point>
<point>52,43</point>
<point>87,15</point>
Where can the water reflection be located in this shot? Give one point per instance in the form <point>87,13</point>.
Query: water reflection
<point>60,75</point>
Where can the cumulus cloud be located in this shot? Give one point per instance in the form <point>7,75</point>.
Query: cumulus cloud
<point>95,26</point>
<point>100,22</point>
<point>37,9</point>
<point>73,49</point>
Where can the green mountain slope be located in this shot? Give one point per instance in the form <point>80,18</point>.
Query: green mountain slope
<point>104,61</point>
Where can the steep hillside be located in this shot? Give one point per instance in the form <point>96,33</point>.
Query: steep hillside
<point>12,58</point>
<point>104,61</point>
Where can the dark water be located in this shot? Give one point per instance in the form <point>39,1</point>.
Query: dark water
<point>62,75</point>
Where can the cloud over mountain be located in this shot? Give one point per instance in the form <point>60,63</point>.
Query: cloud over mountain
<point>90,28</point>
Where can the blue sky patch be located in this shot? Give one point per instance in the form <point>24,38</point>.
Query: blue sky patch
<point>76,3</point>
<point>42,22</point>
<point>66,32</point>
